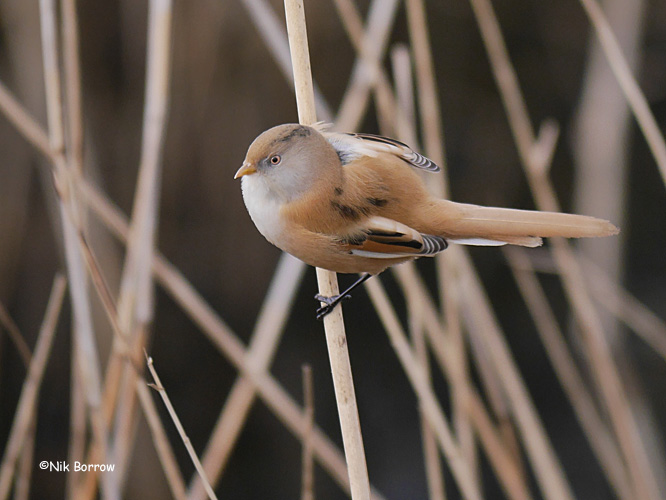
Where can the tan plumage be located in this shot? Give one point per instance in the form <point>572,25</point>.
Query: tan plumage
<point>354,203</point>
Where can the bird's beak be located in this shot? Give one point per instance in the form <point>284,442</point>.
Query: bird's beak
<point>246,169</point>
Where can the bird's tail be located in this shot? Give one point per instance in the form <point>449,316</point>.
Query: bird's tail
<point>476,225</point>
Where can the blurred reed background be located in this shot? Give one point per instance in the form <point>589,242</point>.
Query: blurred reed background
<point>208,63</point>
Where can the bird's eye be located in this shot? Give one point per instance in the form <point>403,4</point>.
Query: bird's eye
<point>276,159</point>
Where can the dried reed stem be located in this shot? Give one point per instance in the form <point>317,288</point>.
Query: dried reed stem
<point>24,123</point>
<point>370,48</point>
<point>447,263</point>
<point>386,106</point>
<point>479,316</point>
<point>77,427</point>
<point>601,146</point>
<point>265,339</point>
<point>195,307</point>
<point>181,431</point>
<point>135,304</point>
<point>604,370</point>
<point>582,402</point>
<point>83,327</point>
<point>451,363</point>
<point>307,474</point>
<point>461,384</point>
<point>221,336</point>
<point>336,340</point>
<point>505,464</point>
<point>74,153</point>
<point>636,315</point>
<point>15,335</point>
<point>433,466</point>
<point>72,73</point>
<point>97,450</point>
<point>26,464</point>
<point>617,300</point>
<point>300,61</point>
<point>271,30</point>
<point>502,458</point>
<point>401,62</point>
<point>427,399</point>
<point>260,353</point>
<point>406,125</point>
<point>433,137</point>
<point>161,442</point>
<point>413,287</point>
<point>27,404</point>
<point>628,84</point>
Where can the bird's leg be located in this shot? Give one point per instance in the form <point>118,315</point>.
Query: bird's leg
<point>331,302</point>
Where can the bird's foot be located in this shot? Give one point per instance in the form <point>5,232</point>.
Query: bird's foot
<point>329,303</point>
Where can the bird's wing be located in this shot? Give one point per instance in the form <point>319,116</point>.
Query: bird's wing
<point>383,238</point>
<point>399,149</point>
<point>352,146</point>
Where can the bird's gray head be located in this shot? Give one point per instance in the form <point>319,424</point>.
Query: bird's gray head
<point>290,160</point>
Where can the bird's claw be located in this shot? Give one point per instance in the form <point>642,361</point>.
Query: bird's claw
<point>329,303</point>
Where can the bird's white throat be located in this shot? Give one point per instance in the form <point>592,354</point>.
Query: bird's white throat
<point>263,207</point>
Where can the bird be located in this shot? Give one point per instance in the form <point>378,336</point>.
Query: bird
<point>354,203</point>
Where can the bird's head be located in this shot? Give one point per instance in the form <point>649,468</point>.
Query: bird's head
<point>290,160</point>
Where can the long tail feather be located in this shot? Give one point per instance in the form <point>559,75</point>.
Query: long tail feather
<point>524,241</point>
<point>518,227</point>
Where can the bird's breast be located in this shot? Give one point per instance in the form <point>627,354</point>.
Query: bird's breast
<point>264,209</point>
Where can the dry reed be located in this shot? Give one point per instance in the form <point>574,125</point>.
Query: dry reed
<point>260,353</point>
<point>181,431</point>
<point>334,327</point>
<point>307,475</point>
<point>27,405</point>
<point>603,367</point>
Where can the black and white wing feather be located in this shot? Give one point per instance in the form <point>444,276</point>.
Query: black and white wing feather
<point>352,146</point>
<point>400,149</point>
<point>382,238</point>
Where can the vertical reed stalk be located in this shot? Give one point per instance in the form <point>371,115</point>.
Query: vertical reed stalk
<point>307,475</point>
<point>86,353</point>
<point>328,283</point>
<point>135,304</point>
<point>628,83</point>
